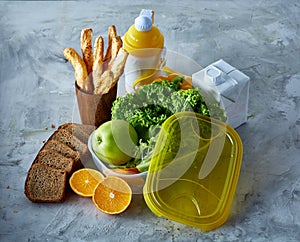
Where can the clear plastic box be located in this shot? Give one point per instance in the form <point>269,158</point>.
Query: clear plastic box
<point>193,176</point>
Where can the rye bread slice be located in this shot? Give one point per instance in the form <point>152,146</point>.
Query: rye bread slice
<point>70,140</point>
<point>76,130</point>
<point>64,150</point>
<point>88,128</point>
<point>45,184</point>
<point>63,153</point>
<point>54,159</point>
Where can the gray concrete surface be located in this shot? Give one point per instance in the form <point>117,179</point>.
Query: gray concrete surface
<point>261,38</point>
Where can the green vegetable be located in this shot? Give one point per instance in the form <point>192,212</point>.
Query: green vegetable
<point>151,105</point>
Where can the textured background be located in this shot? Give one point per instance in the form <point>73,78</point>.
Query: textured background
<point>261,38</point>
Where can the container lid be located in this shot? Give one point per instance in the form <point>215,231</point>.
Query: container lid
<point>194,171</point>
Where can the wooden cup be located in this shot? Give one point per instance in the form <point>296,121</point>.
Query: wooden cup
<point>95,109</point>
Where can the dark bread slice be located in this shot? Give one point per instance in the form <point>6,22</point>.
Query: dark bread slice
<point>76,130</point>
<point>70,140</point>
<point>45,184</point>
<point>64,150</point>
<point>63,153</point>
<point>54,159</point>
<point>88,128</point>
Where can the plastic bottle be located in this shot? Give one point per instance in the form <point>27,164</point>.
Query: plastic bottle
<point>145,44</point>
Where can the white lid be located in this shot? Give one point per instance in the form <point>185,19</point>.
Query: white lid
<point>214,75</point>
<point>143,23</point>
<point>145,20</point>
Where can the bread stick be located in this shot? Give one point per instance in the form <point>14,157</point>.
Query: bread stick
<point>99,48</point>
<point>98,60</point>
<point>86,48</point>
<point>118,59</point>
<point>81,74</point>
<point>105,82</point>
<point>112,32</point>
<point>95,72</point>
<point>115,47</point>
<point>117,67</point>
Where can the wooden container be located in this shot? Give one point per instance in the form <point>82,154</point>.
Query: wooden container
<point>95,109</point>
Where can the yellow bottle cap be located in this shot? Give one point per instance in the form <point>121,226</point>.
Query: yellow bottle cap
<point>143,35</point>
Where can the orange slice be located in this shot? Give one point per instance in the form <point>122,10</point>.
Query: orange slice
<point>84,181</point>
<point>112,195</point>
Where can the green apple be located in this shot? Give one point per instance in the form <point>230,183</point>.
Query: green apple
<point>115,142</point>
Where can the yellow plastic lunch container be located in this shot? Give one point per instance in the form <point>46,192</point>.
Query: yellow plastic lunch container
<point>194,171</point>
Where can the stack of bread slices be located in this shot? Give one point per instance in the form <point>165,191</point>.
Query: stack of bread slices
<point>62,154</point>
